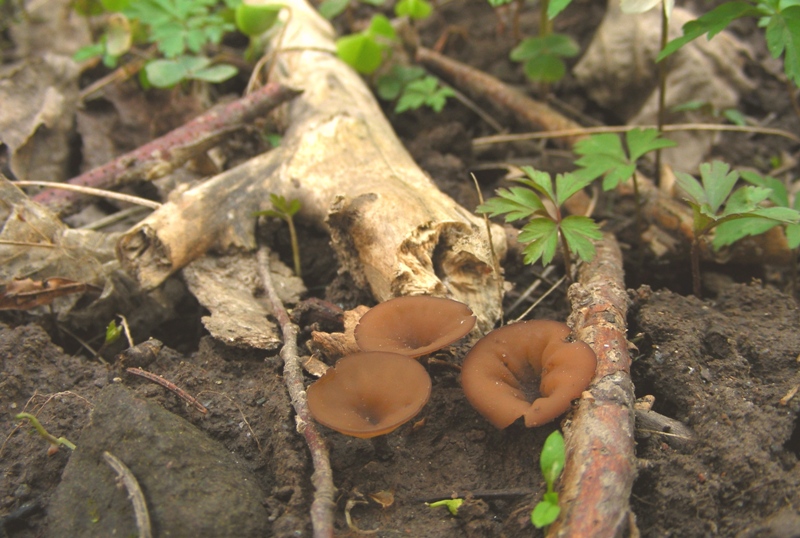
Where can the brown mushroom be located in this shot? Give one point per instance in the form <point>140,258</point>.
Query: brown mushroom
<point>369,393</point>
<point>414,326</point>
<point>526,370</point>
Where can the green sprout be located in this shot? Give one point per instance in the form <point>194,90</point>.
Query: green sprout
<point>285,210</point>
<point>413,9</point>
<point>603,155</point>
<point>707,200</point>
<point>413,88</point>
<point>452,505</point>
<point>546,227</point>
<point>365,51</point>
<point>44,433</point>
<point>113,332</point>
<point>552,463</point>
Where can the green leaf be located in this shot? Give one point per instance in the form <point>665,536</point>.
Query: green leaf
<point>579,232</point>
<point>552,458</point>
<point>361,52</point>
<point>745,199</point>
<point>113,332</point>
<point>414,9</point>
<point>541,234</point>
<point>641,141</point>
<point>425,91</point>
<point>729,232</point>
<point>710,23</point>
<point>214,74</point>
<point>569,184</point>
<point>735,117</point>
<point>692,187</point>
<point>793,236</point>
<point>452,505</point>
<point>332,8</point>
<point>552,44</point>
<point>88,52</point>
<point>539,181</point>
<point>391,85</point>
<point>115,5</point>
<point>515,203</point>
<point>554,7</point>
<point>602,154</point>
<point>779,196</point>
<point>381,26</point>
<point>718,180</point>
<point>545,68</point>
<point>498,3</point>
<point>783,35</point>
<point>544,514</point>
<point>255,19</point>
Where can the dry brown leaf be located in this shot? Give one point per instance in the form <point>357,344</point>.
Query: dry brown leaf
<point>24,294</point>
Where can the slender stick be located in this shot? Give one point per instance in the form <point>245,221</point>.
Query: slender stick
<point>170,386</point>
<point>322,506</point>
<point>134,492</point>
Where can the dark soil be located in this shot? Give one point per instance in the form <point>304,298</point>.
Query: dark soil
<point>727,367</point>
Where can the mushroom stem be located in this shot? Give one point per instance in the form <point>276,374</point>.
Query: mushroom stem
<point>322,505</point>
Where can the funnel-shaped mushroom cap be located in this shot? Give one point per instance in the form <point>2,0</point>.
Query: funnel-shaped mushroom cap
<point>414,326</point>
<point>369,394</point>
<point>526,370</point>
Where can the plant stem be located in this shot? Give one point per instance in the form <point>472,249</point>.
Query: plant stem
<point>44,433</point>
<point>565,252</point>
<point>295,245</point>
<point>638,201</point>
<point>662,86</point>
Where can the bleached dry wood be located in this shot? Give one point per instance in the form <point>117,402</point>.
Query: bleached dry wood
<point>392,229</point>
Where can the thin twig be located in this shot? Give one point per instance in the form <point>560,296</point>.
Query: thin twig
<point>533,287</point>
<point>553,288</point>
<point>81,189</point>
<point>134,493</point>
<point>170,386</point>
<point>323,505</point>
<point>586,131</point>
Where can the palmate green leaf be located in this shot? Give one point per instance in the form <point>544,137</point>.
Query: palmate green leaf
<point>641,141</point>
<point>793,236</point>
<point>710,23</point>
<point>568,184</point>
<point>729,232</point>
<point>579,232</point>
<point>718,181</point>
<point>515,203</point>
<point>783,35</point>
<point>603,154</point>
<point>692,188</point>
<point>745,199</point>
<point>539,181</point>
<point>779,196</point>
<point>541,235</point>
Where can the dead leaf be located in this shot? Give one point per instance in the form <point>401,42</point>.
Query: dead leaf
<point>24,294</point>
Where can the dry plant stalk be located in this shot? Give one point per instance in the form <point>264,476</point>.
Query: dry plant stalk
<point>600,467</point>
<point>392,229</point>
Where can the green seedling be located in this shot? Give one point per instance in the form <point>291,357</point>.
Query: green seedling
<point>603,155</point>
<point>286,210</point>
<point>546,227</point>
<point>365,51</point>
<point>54,442</point>
<point>543,56</point>
<point>707,200</point>
<point>413,88</point>
<point>413,9</point>
<point>113,332</point>
<point>452,505</point>
<point>552,462</point>
<point>779,18</point>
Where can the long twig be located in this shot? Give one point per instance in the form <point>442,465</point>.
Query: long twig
<point>134,492</point>
<point>159,157</point>
<point>322,506</point>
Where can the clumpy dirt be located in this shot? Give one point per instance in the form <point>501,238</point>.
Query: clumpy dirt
<point>726,367</point>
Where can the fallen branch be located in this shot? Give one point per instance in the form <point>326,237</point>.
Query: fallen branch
<point>163,155</point>
<point>323,504</point>
<point>600,468</point>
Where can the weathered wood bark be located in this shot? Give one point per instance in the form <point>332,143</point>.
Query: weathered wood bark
<point>392,229</point>
<point>600,467</point>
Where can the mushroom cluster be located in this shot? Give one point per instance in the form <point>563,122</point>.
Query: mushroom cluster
<point>527,369</point>
<point>374,392</point>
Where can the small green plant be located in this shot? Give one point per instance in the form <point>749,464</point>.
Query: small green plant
<point>452,505</point>
<point>603,155</point>
<point>286,210</point>
<point>707,200</point>
<point>181,30</point>
<point>779,18</point>
<point>543,56</point>
<point>54,442</point>
<point>552,462</point>
<point>413,9</point>
<point>546,227</point>
<point>113,332</point>
<point>365,51</point>
<point>413,88</point>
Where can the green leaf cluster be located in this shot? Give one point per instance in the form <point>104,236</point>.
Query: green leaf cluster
<point>413,88</point>
<point>543,56</point>
<point>552,462</point>
<point>779,18</point>
<point>366,50</point>
<point>542,232</point>
<point>285,210</point>
<point>715,204</point>
<point>413,9</point>
<point>603,154</point>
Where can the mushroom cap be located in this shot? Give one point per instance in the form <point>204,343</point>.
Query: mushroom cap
<point>369,393</point>
<point>526,370</point>
<point>414,325</point>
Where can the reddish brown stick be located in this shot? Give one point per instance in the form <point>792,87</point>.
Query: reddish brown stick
<point>170,386</point>
<point>159,157</point>
<point>482,85</point>
<point>600,468</point>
